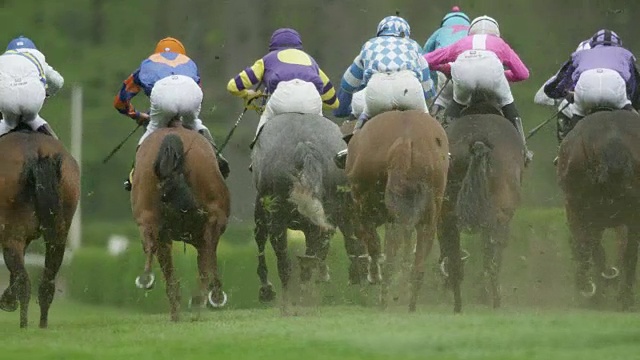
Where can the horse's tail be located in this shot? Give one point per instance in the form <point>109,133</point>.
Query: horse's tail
<point>41,179</point>
<point>169,168</point>
<point>307,189</point>
<point>615,165</point>
<point>473,204</point>
<point>406,194</point>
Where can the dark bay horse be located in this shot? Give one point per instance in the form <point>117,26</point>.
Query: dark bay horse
<point>483,191</point>
<point>598,167</point>
<point>397,169</point>
<point>38,197</point>
<point>299,187</point>
<point>178,194</point>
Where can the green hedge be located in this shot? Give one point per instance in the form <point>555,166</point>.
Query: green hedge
<point>537,270</point>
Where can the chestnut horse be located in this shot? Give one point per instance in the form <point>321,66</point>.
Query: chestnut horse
<point>483,191</point>
<point>178,194</point>
<point>598,167</point>
<point>38,197</point>
<point>397,168</point>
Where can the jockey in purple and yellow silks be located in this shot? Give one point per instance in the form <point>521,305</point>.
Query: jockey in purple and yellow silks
<point>172,82</point>
<point>291,76</point>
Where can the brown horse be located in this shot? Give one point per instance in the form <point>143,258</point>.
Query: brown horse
<point>598,167</point>
<point>38,197</point>
<point>178,194</point>
<point>397,169</point>
<point>483,191</point>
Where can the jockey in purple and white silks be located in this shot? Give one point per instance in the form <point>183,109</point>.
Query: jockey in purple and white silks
<point>603,76</point>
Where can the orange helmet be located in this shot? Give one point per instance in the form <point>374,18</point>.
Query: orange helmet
<point>170,44</point>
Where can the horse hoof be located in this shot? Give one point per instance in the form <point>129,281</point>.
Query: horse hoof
<point>217,302</point>
<point>266,294</point>
<point>374,280</point>
<point>614,273</point>
<point>145,281</point>
<point>589,294</point>
<point>8,306</point>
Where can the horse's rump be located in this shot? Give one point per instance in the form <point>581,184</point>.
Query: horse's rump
<point>293,159</point>
<point>600,157</point>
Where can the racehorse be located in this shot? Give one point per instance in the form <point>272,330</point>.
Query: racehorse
<point>397,169</point>
<point>299,187</point>
<point>178,194</point>
<point>483,191</point>
<point>598,167</point>
<point>38,197</point>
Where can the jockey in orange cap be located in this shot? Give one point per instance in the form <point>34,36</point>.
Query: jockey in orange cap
<point>172,82</point>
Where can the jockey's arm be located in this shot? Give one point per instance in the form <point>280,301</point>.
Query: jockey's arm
<point>344,107</point>
<point>122,102</point>
<point>55,81</point>
<point>431,43</point>
<point>328,95</point>
<point>517,70</point>
<point>541,98</point>
<point>352,78</point>
<point>247,78</point>
<point>427,83</point>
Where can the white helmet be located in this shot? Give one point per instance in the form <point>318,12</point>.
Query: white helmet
<point>484,25</point>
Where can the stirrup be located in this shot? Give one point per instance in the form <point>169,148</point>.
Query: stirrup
<point>341,159</point>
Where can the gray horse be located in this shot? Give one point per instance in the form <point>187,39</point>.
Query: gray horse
<point>300,188</point>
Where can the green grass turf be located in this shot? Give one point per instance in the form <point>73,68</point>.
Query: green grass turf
<point>90,332</point>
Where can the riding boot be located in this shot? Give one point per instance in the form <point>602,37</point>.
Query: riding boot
<point>47,130</point>
<point>223,164</point>
<point>362,119</point>
<point>564,125</point>
<point>129,181</point>
<point>511,113</point>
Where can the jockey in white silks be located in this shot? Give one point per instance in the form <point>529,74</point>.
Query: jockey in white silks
<point>26,79</point>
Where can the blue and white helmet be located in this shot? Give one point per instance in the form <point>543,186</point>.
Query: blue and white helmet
<point>605,38</point>
<point>21,42</point>
<point>394,26</point>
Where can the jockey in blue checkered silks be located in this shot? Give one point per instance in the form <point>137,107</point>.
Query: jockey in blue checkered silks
<point>391,70</point>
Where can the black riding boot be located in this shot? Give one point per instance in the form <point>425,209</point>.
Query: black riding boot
<point>129,180</point>
<point>223,164</point>
<point>453,111</point>
<point>511,112</point>
<point>47,130</point>
<point>564,126</point>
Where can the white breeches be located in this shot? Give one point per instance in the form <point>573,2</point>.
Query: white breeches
<point>293,96</point>
<point>480,73</point>
<point>20,101</point>
<point>599,87</point>
<point>175,95</point>
<point>393,91</point>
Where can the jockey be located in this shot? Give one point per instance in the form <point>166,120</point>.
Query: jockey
<point>391,70</point>
<point>291,76</point>
<point>604,75</point>
<point>477,64</point>
<point>454,26</point>
<point>25,81</point>
<point>172,82</point>
<point>564,111</point>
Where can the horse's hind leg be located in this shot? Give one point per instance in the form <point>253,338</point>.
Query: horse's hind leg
<point>367,232</point>
<point>261,234</point>
<point>165,259</point>
<point>216,297</point>
<point>357,254</point>
<point>149,245</point>
<point>424,241</point>
<point>582,240</point>
<point>9,300</point>
<point>14,258</point>
<point>317,249</point>
<point>629,263</point>
<point>392,240</point>
<point>279,244</point>
<point>494,242</point>
<point>450,257</point>
<point>53,260</point>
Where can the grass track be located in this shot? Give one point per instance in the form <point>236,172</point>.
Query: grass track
<point>89,332</point>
